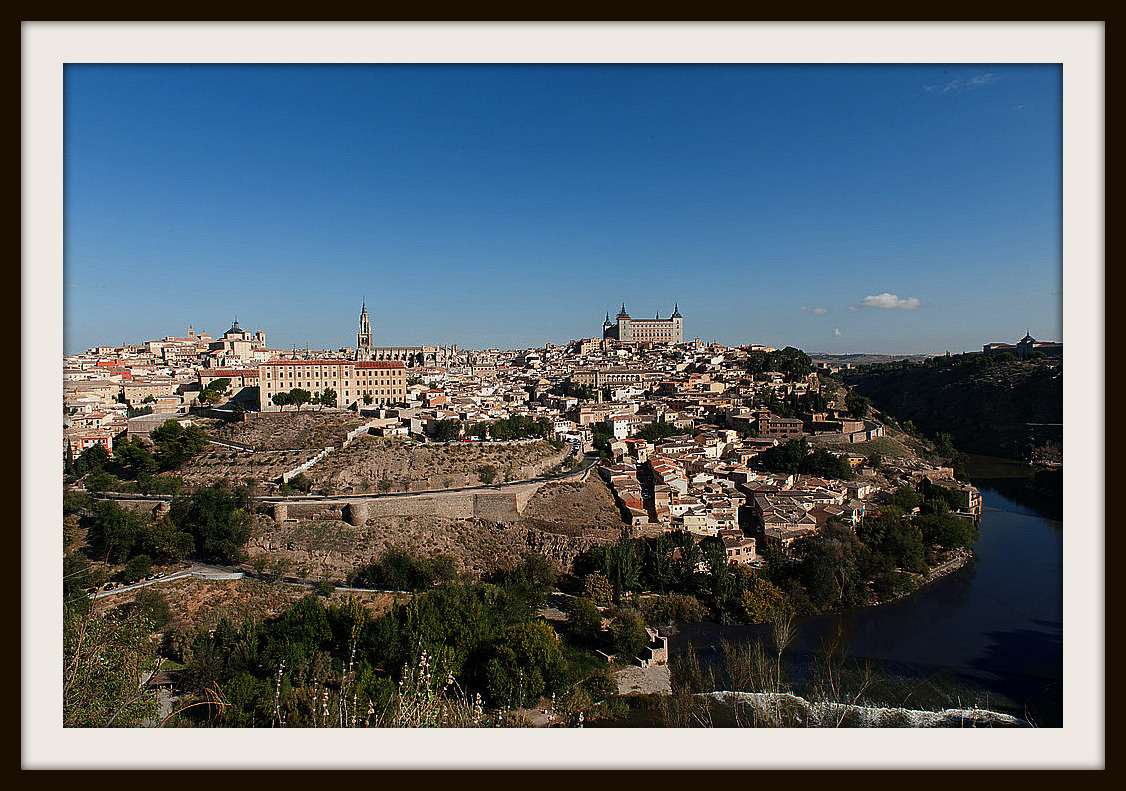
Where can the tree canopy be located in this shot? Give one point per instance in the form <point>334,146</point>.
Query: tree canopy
<point>176,444</point>
<point>218,520</point>
<point>793,364</point>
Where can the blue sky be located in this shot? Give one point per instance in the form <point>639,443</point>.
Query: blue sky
<point>887,209</point>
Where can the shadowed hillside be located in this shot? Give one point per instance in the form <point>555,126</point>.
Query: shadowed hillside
<point>1012,409</point>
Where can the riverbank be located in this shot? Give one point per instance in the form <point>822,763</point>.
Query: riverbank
<point>1039,489</point>
<point>961,558</point>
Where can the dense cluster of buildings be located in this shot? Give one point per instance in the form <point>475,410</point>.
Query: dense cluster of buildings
<point>700,477</point>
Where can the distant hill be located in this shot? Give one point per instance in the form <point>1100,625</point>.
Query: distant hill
<point>1011,409</point>
<point>861,358</point>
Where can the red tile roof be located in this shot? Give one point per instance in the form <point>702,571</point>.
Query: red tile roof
<point>371,364</point>
<point>227,372</point>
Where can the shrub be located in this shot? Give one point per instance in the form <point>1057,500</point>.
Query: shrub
<point>675,608</point>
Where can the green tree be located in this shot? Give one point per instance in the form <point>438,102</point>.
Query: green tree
<point>786,458</point>
<point>825,464</point>
<point>299,396</point>
<point>100,481</point>
<point>134,458</point>
<point>281,399</point>
<point>527,662</point>
<point>947,531</point>
<point>328,397</point>
<point>944,446</point>
<point>93,459</point>
<point>657,564</point>
<point>905,499</point>
<point>447,430</point>
<point>487,473</point>
<point>857,405</point>
<point>597,588</point>
<point>152,605</point>
<point>115,531</point>
<point>176,444</point>
<point>531,581</point>
<point>656,431</point>
<point>762,601</point>
<point>138,567</point>
<point>831,568</point>
<point>217,521</point>
<point>628,634</point>
<point>161,539</point>
<point>368,399</point>
<point>104,655</point>
<point>584,622</point>
<point>622,563</point>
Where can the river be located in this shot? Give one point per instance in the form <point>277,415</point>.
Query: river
<point>988,635</point>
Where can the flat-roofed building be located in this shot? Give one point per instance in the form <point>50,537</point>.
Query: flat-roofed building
<point>384,381</point>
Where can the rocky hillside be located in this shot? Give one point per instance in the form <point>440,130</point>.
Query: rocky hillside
<point>409,466</point>
<point>561,520</point>
<point>1008,409</point>
<point>288,430</point>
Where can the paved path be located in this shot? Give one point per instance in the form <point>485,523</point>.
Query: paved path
<point>198,570</point>
<point>212,572</point>
<point>582,469</point>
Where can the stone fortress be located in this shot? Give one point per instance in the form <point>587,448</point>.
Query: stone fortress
<point>655,330</point>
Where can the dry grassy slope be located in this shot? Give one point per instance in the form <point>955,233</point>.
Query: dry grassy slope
<point>287,430</point>
<point>561,520</point>
<point>368,460</point>
<point>196,602</point>
<point>236,466</point>
<point>893,445</point>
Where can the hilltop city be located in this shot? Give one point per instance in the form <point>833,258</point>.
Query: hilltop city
<point>606,489</point>
<point>678,423</point>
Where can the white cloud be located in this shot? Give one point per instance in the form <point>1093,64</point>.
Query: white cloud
<point>959,85</point>
<point>887,301</point>
<point>815,311</point>
<point>836,332</point>
<point>982,79</point>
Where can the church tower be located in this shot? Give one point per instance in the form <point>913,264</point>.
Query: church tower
<point>363,337</point>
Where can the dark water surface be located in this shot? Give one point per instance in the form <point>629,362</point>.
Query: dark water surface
<point>990,634</point>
